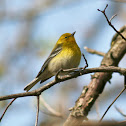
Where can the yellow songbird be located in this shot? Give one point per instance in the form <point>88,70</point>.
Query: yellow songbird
<point>65,55</point>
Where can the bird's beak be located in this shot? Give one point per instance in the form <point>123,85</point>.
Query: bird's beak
<point>73,33</point>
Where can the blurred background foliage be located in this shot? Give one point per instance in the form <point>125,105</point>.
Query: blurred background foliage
<point>28,31</point>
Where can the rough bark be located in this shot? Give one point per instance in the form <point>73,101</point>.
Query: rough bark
<point>91,92</point>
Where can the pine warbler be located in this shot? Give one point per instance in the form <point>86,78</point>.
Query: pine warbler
<point>65,55</point>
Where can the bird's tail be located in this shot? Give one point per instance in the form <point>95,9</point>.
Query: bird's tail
<point>31,84</point>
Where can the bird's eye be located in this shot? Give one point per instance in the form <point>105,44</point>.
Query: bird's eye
<point>65,37</point>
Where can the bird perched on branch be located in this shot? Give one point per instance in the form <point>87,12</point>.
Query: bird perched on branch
<point>65,55</point>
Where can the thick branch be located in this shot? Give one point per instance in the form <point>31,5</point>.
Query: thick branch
<point>91,92</point>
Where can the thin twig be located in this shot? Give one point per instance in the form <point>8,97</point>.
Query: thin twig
<point>112,17</point>
<point>37,113</point>
<point>120,111</point>
<point>85,62</point>
<point>92,51</point>
<point>112,103</point>
<point>122,122</point>
<point>7,109</point>
<point>117,107</point>
<point>50,109</point>
<point>109,21</point>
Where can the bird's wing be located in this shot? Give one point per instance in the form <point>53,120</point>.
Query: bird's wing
<point>54,52</point>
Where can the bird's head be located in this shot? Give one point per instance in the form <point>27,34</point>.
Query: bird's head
<point>66,38</point>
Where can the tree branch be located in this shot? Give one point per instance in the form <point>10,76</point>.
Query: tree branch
<point>112,103</point>
<point>37,112</point>
<point>91,92</point>
<point>92,51</point>
<point>76,74</point>
<point>7,108</point>
<point>120,111</point>
<point>109,21</point>
<point>52,112</point>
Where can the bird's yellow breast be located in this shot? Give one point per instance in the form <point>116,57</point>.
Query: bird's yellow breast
<point>69,57</point>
